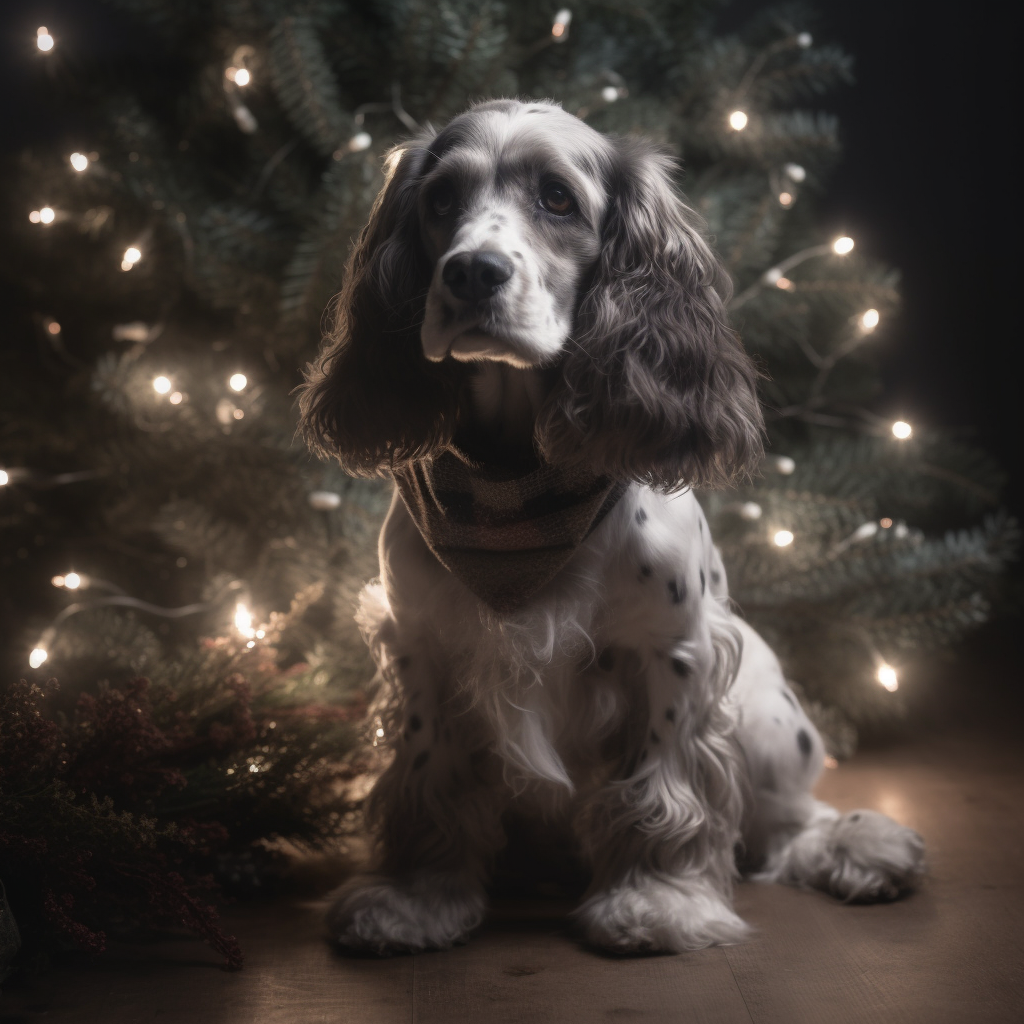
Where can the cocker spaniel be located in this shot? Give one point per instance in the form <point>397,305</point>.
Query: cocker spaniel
<point>532,341</point>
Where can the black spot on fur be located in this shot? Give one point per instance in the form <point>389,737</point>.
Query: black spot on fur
<point>645,571</point>
<point>788,697</point>
<point>495,227</point>
<point>517,255</point>
<point>676,592</point>
<point>702,583</point>
<point>716,577</point>
<point>421,759</point>
<point>606,660</point>
<point>641,517</point>
<point>655,738</point>
<point>415,723</point>
<point>803,741</point>
<point>670,714</point>
<point>680,667</point>
<point>855,817</point>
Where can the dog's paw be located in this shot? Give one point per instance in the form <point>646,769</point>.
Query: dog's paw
<point>870,858</point>
<point>653,916</point>
<point>383,916</point>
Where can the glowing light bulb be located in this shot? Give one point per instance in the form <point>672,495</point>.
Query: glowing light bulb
<point>238,414</point>
<point>560,26</point>
<point>804,40</point>
<point>237,381</point>
<point>785,284</point>
<point>57,581</point>
<point>869,319</point>
<point>609,94</point>
<point>38,656</point>
<point>243,620</point>
<point>783,538</point>
<point>161,385</point>
<point>44,215</point>
<point>132,254</point>
<point>738,120</point>
<point>796,172</point>
<point>53,327</point>
<point>841,246</point>
<point>34,217</point>
<point>4,478</point>
<point>785,198</point>
<point>379,733</point>
<point>888,678</point>
<point>45,43</point>
<point>79,161</point>
<point>902,430</point>
<point>251,644</point>
<point>72,581</point>
<point>885,523</point>
<point>359,142</point>
<point>750,510</point>
<point>784,465</point>
<point>175,398</point>
<point>242,77</point>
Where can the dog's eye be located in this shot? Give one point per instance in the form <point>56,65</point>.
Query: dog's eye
<point>442,201</point>
<point>557,199</point>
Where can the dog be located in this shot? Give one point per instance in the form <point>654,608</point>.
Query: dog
<point>532,341</point>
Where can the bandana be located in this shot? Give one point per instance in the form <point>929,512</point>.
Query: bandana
<point>501,531</point>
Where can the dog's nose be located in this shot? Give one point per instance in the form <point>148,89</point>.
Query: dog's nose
<point>472,276</point>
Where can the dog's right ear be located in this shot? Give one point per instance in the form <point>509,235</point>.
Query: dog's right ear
<point>372,399</point>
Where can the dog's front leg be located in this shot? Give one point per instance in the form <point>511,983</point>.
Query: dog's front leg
<point>661,837</point>
<point>436,812</point>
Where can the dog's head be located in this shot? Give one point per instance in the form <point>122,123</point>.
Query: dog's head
<point>521,235</point>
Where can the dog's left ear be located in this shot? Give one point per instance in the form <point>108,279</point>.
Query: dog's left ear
<point>655,386</point>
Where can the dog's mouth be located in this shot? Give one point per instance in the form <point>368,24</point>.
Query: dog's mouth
<point>477,337</point>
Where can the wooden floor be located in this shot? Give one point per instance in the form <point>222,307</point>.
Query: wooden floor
<point>953,952</point>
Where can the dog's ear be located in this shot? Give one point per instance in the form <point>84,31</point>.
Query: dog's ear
<point>372,399</point>
<point>655,385</point>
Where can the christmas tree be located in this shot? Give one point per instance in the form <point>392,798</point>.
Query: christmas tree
<point>175,246</point>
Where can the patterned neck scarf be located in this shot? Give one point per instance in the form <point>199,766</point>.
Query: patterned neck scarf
<point>503,532</point>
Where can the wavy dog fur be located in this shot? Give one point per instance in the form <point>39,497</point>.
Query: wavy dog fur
<point>623,696</point>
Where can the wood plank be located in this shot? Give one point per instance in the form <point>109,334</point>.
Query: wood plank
<point>292,975</point>
<point>951,953</point>
<point>526,969</point>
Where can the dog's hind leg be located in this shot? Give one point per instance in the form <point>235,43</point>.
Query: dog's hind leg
<point>788,835</point>
<point>436,811</point>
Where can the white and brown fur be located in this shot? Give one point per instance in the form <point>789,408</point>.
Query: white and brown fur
<point>625,696</point>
